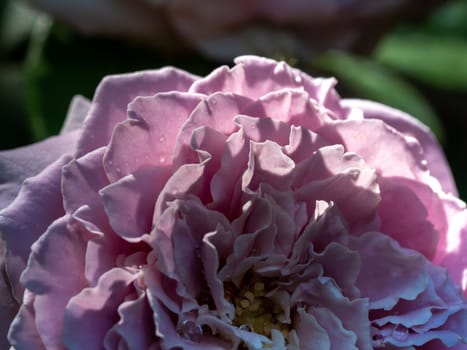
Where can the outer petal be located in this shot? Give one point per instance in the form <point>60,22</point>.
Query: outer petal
<point>23,333</point>
<point>21,163</point>
<point>129,202</point>
<point>391,154</point>
<point>252,76</point>
<point>77,112</point>
<point>8,305</point>
<point>55,273</point>
<point>113,95</point>
<point>38,204</point>
<point>410,126</point>
<point>91,313</point>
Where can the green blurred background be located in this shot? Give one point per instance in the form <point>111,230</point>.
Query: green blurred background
<point>419,67</point>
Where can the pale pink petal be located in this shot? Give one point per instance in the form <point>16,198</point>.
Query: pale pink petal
<point>135,328</point>
<point>410,126</point>
<point>38,204</point>
<point>109,105</point>
<point>148,136</point>
<point>56,254</point>
<point>330,174</point>
<point>23,333</point>
<point>81,181</point>
<point>129,202</point>
<point>252,77</point>
<point>294,107</point>
<point>18,164</point>
<point>77,112</point>
<point>412,214</point>
<point>215,111</point>
<point>92,313</point>
<point>391,272</point>
<point>382,147</point>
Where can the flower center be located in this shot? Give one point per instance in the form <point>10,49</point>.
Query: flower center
<point>254,309</point>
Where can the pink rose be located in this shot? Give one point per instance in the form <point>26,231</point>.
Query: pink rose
<point>248,209</point>
<point>223,29</point>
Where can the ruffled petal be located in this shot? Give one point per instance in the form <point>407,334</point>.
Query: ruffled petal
<point>148,136</point>
<point>53,283</point>
<point>38,204</point>
<point>114,93</point>
<point>23,334</point>
<point>129,202</point>
<point>389,272</point>
<point>92,313</point>
<point>21,163</point>
<point>77,112</point>
<point>391,154</point>
<point>411,127</point>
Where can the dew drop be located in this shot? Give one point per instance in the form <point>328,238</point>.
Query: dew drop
<point>400,332</point>
<point>162,159</point>
<point>246,328</point>
<point>162,139</point>
<point>118,170</point>
<point>279,68</point>
<point>301,305</point>
<point>298,79</point>
<point>189,330</point>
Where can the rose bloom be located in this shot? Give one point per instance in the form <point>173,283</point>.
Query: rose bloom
<point>223,29</point>
<point>248,209</point>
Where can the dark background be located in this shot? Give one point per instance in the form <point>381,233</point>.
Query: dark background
<point>419,67</point>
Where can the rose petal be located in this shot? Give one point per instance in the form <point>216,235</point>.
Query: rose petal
<point>8,305</point>
<point>293,107</point>
<point>389,272</point>
<point>412,214</point>
<point>114,93</point>
<point>135,328</point>
<point>310,333</point>
<point>91,314</point>
<point>21,163</point>
<point>77,112</point>
<point>38,204</point>
<point>129,202</point>
<point>53,283</point>
<point>215,111</point>
<point>410,126</point>
<point>252,76</point>
<point>391,154</point>
<point>23,333</point>
<point>148,136</point>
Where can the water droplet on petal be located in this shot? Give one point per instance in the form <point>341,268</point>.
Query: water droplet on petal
<point>400,332</point>
<point>189,330</point>
<point>162,139</point>
<point>298,79</point>
<point>279,68</point>
<point>246,328</point>
<point>301,305</point>
<point>162,159</point>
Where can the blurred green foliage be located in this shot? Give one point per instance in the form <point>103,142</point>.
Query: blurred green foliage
<point>369,80</point>
<point>62,64</point>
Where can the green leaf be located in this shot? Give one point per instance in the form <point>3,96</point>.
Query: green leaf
<point>450,19</point>
<point>438,61</point>
<point>368,79</point>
